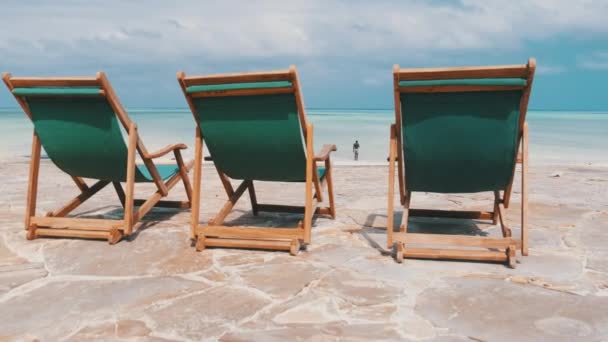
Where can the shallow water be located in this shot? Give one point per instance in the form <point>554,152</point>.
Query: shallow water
<point>555,136</point>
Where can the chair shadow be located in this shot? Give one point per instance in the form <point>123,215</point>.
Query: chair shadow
<point>154,217</point>
<point>263,218</point>
<point>424,225</point>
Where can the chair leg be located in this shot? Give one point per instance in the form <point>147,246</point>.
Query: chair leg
<point>406,213</point>
<point>524,192</point>
<point>129,197</point>
<point>120,192</point>
<point>315,178</point>
<point>32,188</point>
<point>309,180</point>
<point>330,188</point>
<point>184,174</point>
<point>253,198</point>
<point>391,190</point>
<point>495,212</point>
<point>198,173</point>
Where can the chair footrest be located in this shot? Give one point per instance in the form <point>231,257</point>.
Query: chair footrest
<point>456,240</point>
<point>252,233</point>
<point>290,209</point>
<point>85,234</point>
<point>463,214</point>
<point>69,223</point>
<point>456,254</point>
<point>283,245</point>
<point>166,204</point>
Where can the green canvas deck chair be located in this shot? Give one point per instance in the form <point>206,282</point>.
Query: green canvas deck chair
<point>75,120</point>
<point>255,128</point>
<point>460,130</point>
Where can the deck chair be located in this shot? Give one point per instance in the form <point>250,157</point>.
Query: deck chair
<point>255,128</point>
<point>75,120</point>
<point>460,130</point>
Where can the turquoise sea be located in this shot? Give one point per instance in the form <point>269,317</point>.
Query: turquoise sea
<point>556,137</point>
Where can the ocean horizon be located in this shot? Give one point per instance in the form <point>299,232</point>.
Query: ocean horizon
<point>580,137</point>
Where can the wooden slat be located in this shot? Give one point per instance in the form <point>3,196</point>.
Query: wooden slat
<point>456,88</point>
<point>502,217</point>
<point>456,240</point>
<point>198,173</point>
<point>308,206</point>
<point>76,223</point>
<point>25,82</point>
<point>391,188</point>
<point>183,171</point>
<point>299,100</point>
<point>524,192</point>
<point>253,198</point>
<point>75,233</point>
<point>255,233</point>
<point>129,213</point>
<point>32,185</point>
<point>330,189</point>
<point>501,71</point>
<point>325,211</point>
<point>166,204</point>
<point>270,76</point>
<point>281,208</point>
<point>78,200</point>
<point>406,213</point>
<point>255,244</point>
<point>155,198</point>
<point>243,92</point>
<point>292,209</point>
<point>80,183</point>
<point>219,218</point>
<point>478,215</point>
<point>455,254</point>
<point>396,132</point>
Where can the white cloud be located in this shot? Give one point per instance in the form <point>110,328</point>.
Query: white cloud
<point>546,69</point>
<point>158,30</point>
<point>595,61</point>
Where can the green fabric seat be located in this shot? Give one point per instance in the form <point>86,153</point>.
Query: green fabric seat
<point>81,134</point>
<point>321,171</point>
<point>460,142</point>
<point>253,137</point>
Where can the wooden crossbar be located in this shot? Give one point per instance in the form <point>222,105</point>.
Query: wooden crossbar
<point>502,71</point>
<point>459,240</point>
<point>270,76</point>
<point>76,223</point>
<point>456,88</point>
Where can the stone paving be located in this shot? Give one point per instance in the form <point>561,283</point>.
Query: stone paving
<point>345,286</point>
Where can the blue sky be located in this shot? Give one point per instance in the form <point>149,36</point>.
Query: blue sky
<point>344,50</point>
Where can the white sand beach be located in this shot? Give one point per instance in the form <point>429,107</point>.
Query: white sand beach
<point>345,286</point>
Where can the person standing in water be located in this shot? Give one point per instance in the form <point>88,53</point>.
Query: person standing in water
<point>356,149</point>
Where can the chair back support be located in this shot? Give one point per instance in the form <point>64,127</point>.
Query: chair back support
<point>76,123</point>
<point>460,128</point>
<point>251,125</point>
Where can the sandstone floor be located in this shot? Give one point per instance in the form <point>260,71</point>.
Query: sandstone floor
<point>345,286</point>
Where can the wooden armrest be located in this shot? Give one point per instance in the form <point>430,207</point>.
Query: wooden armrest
<point>325,151</point>
<point>166,149</point>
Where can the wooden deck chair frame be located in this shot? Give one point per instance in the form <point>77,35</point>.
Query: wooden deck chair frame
<point>215,234</point>
<point>488,249</point>
<point>55,223</point>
